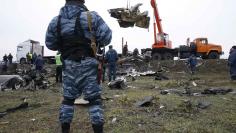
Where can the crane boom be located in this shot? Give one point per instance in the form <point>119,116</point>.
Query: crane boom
<point>162,46</point>
<point>157,17</point>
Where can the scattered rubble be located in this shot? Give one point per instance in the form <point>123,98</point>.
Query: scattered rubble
<point>148,73</point>
<point>119,83</point>
<point>160,76</point>
<point>147,101</point>
<point>203,105</point>
<point>172,91</point>
<point>10,82</point>
<point>25,77</point>
<point>134,58</point>
<point>162,106</point>
<point>215,91</point>
<point>194,83</point>
<point>113,120</point>
<point>9,110</point>
<point>187,91</point>
<point>33,119</point>
<point>35,80</point>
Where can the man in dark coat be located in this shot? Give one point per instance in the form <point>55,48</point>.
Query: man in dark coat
<point>59,67</point>
<point>111,58</point>
<point>10,57</point>
<point>39,63</point>
<point>192,62</point>
<point>232,63</point>
<point>5,59</point>
<point>4,68</point>
<point>34,58</point>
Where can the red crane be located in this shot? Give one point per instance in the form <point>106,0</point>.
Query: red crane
<point>162,47</point>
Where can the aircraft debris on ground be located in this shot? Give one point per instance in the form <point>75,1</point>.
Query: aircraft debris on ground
<point>13,109</point>
<point>25,77</point>
<point>147,101</point>
<point>119,83</point>
<point>10,82</point>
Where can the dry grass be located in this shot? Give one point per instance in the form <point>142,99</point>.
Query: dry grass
<point>175,117</point>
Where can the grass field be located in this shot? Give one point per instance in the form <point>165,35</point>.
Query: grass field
<point>171,113</point>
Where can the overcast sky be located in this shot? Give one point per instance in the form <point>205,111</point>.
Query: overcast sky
<point>28,19</point>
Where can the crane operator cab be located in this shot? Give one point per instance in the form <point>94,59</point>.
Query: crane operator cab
<point>163,40</point>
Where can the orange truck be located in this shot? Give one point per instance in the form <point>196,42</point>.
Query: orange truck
<point>201,48</point>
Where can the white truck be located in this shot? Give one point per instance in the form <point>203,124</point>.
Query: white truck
<point>29,46</point>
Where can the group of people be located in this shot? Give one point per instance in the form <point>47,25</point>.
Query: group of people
<point>31,58</point>
<point>36,60</point>
<point>7,59</point>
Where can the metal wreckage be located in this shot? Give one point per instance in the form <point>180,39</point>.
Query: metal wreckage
<point>24,77</point>
<point>128,17</point>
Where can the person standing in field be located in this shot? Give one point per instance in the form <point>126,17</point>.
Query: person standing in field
<point>111,58</point>
<point>232,63</point>
<point>77,32</point>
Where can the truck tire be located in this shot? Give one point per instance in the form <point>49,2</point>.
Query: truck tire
<point>168,56</point>
<point>213,55</point>
<point>23,61</point>
<point>156,56</point>
<point>204,56</point>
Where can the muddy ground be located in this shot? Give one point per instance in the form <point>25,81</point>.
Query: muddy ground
<point>179,111</point>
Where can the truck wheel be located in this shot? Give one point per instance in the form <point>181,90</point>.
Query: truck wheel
<point>22,61</point>
<point>156,56</point>
<point>204,57</point>
<point>213,55</point>
<point>168,56</point>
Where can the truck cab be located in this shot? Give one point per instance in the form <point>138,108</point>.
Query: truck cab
<point>29,46</point>
<point>205,49</point>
